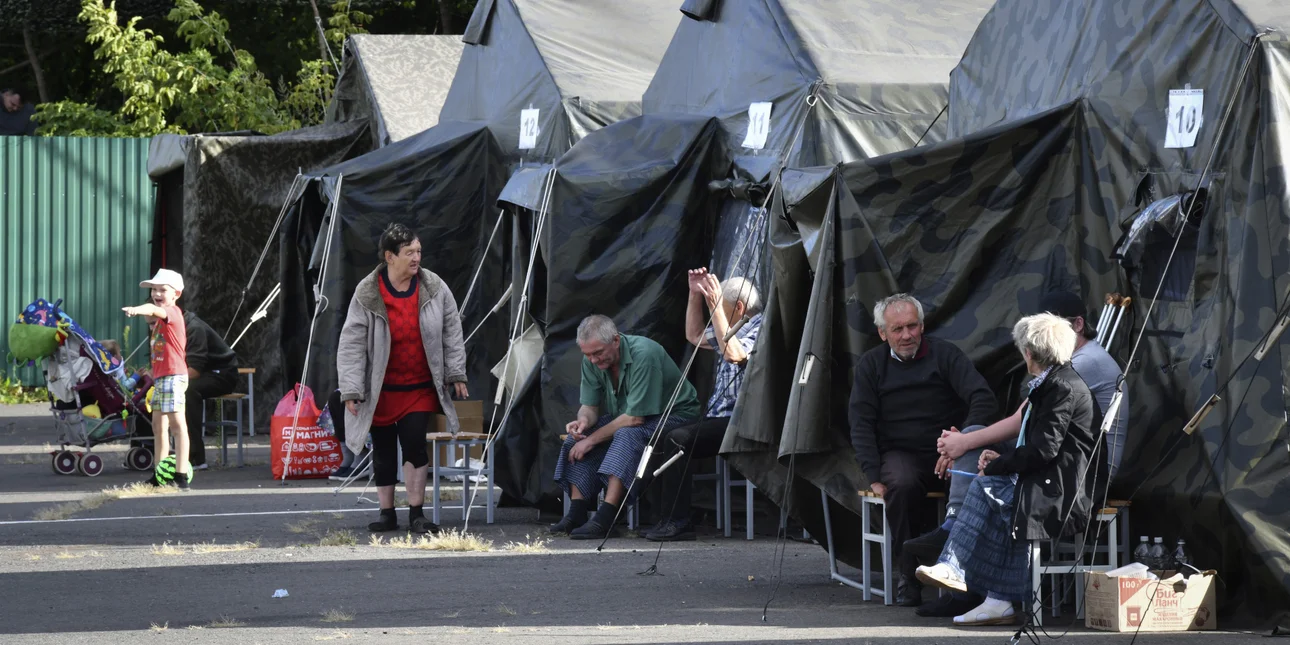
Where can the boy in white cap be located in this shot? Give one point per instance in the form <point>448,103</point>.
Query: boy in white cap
<point>168,341</point>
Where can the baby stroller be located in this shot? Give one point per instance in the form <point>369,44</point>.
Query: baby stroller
<point>87,390</point>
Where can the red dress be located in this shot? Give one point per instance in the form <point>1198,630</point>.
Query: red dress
<point>409,384</point>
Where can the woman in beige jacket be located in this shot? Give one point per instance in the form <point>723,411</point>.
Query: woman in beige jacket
<point>400,350</point>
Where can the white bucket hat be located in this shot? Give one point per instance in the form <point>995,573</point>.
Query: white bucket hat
<point>165,277</point>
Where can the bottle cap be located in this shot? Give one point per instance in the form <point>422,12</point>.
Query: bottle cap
<point>1160,540</point>
<point>1144,538</point>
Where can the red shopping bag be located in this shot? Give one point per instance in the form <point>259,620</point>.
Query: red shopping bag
<point>304,450</point>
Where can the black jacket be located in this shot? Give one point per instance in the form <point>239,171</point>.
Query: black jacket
<point>1056,486</point>
<point>207,351</point>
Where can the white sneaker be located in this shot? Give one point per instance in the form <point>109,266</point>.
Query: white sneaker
<point>201,467</point>
<point>941,575</point>
<point>990,612</point>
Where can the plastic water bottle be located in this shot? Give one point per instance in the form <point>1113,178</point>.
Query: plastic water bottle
<point>1158,557</point>
<point>1180,557</point>
<point>1142,554</point>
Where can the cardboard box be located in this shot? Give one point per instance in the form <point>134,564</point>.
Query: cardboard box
<point>470,415</point>
<point>1135,604</point>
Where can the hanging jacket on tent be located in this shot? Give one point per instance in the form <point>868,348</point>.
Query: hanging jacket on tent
<point>364,350</point>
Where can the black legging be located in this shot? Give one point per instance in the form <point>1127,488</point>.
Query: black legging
<point>410,432</point>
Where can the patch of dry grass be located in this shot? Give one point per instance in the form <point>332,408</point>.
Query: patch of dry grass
<point>95,500</point>
<point>338,537</point>
<point>529,545</point>
<point>68,555</point>
<point>212,547</point>
<point>58,512</point>
<point>450,540</point>
<point>503,609</point>
<point>450,494</point>
<point>304,526</point>
<point>165,548</point>
<point>225,622</point>
<point>455,614</point>
<point>337,635</point>
<point>337,616</point>
<point>160,628</point>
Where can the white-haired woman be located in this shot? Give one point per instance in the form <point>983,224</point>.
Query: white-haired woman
<point>1041,490</point>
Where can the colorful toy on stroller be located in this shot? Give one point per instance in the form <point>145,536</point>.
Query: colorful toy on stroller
<point>88,390</point>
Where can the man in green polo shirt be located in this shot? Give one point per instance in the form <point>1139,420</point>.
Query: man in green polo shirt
<point>627,382</point>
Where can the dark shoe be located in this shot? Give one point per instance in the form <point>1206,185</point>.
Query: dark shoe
<point>949,605</point>
<point>593,530</point>
<point>181,480</point>
<point>928,546</point>
<point>909,592</point>
<point>423,525</point>
<point>673,532</point>
<point>388,522</point>
<point>653,529</point>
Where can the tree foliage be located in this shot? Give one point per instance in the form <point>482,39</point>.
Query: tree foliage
<point>209,85</point>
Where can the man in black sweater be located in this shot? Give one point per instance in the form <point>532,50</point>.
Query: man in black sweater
<point>212,372</point>
<point>905,393</point>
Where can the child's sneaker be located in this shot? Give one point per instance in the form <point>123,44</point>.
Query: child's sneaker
<point>182,482</point>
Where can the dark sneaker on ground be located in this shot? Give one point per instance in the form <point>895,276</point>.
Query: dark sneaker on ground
<point>673,532</point>
<point>593,530</point>
<point>423,525</point>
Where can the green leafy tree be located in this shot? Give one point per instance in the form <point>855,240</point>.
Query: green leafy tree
<point>210,86</point>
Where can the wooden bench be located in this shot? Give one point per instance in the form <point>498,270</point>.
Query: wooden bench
<point>1115,518</point>
<point>868,500</point>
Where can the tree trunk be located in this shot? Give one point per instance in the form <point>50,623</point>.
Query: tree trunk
<point>36,70</point>
<point>445,17</point>
<point>322,38</point>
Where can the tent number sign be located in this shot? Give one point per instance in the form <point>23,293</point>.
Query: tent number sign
<point>1186,114</point>
<point>528,128</point>
<point>758,125</point>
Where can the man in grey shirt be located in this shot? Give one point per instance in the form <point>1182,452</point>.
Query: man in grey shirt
<point>1100,373</point>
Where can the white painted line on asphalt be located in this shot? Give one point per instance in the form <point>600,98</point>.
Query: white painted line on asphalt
<point>190,515</point>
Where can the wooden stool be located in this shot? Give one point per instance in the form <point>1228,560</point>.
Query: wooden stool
<point>1116,518</point>
<point>869,500</point>
<point>465,441</point>
<point>249,372</point>
<point>223,423</point>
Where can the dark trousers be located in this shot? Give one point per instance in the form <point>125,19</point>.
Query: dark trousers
<point>700,440</point>
<point>909,477</point>
<point>409,432</point>
<point>207,385</point>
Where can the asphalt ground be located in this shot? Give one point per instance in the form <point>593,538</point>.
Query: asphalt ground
<point>203,566</point>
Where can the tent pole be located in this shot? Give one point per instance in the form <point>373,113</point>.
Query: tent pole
<point>319,307</point>
<point>482,258</point>
<point>282,213</point>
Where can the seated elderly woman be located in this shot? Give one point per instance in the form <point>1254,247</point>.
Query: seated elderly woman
<point>1041,490</point>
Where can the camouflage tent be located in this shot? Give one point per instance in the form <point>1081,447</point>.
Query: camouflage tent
<point>829,81</point>
<point>577,67</point>
<point>396,83</point>
<point>1066,131</point>
<point>218,198</point>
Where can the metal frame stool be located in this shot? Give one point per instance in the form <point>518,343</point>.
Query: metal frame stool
<point>223,423</point>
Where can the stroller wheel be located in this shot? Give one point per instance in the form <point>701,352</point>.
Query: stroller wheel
<point>91,465</point>
<point>139,458</point>
<point>65,462</point>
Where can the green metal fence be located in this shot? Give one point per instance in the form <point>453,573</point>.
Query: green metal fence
<point>76,220</point>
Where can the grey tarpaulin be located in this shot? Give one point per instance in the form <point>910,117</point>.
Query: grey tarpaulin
<point>397,83</point>
<point>218,197</point>
<point>580,65</point>
<point>1063,112</point>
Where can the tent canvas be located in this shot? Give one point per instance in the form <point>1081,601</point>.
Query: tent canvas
<point>398,83</point>
<point>979,227</point>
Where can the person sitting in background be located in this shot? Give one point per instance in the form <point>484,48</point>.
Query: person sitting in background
<point>905,393</point>
<point>212,372</point>
<point>350,461</point>
<point>16,119</point>
<point>627,382</point>
<point>962,450</point>
<point>1040,491</point>
<point>726,302</point>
